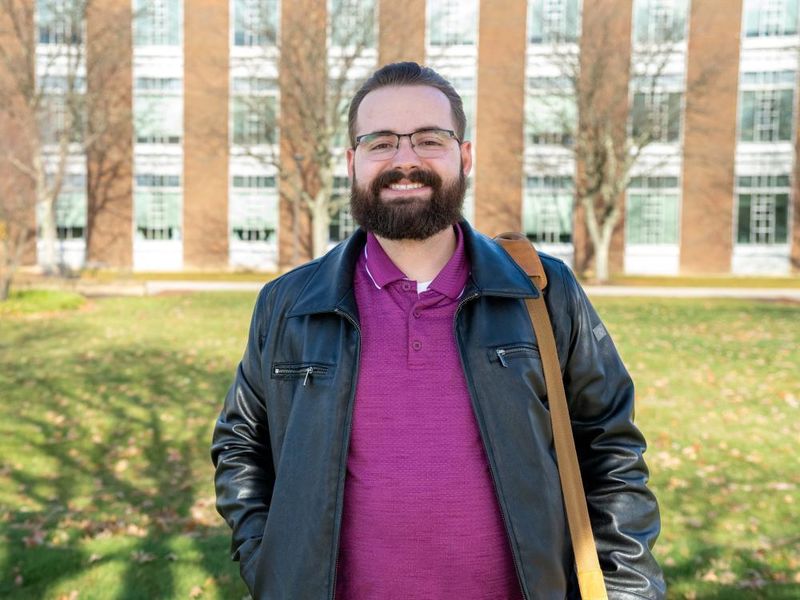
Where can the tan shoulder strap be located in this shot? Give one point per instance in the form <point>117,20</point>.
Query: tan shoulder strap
<point>590,577</point>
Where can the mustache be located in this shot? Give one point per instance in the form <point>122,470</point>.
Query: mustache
<point>422,176</point>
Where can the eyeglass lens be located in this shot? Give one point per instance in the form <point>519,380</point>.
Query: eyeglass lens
<point>428,143</point>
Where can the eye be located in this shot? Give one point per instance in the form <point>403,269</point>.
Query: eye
<point>431,142</point>
<point>380,144</point>
<point>429,139</point>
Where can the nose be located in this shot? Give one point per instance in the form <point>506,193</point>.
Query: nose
<point>406,158</point>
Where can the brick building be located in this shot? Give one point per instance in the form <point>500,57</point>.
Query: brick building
<point>715,190</point>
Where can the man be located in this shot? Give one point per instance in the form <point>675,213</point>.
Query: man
<point>387,433</point>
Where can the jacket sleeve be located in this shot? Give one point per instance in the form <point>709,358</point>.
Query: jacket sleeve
<point>241,453</point>
<point>623,511</point>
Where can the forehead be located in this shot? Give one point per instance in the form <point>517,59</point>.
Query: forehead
<point>403,109</point>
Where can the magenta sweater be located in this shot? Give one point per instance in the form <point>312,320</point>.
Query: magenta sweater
<point>421,518</point>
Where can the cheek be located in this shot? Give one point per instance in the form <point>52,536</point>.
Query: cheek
<point>364,173</point>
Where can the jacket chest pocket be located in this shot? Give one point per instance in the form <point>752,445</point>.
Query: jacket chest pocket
<point>307,373</point>
<point>523,364</point>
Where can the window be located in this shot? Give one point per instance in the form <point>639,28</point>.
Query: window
<point>254,108</point>
<point>763,209</point>
<point>770,17</point>
<point>659,21</point>
<point>158,111</point>
<point>253,208</point>
<point>352,23</point>
<point>255,22</point>
<point>157,22</point>
<point>766,106</point>
<point>254,120</point>
<point>452,22</point>
<point>70,208</point>
<point>550,112</point>
<point>465,86</point>
<point>547,209</point>
<point>58,119</point>
<point>553,21</point>
<point>656,116</point>
<point>158,207</point>
<point>60,21</point>
<point>342,224</point>
<point>652,211</point>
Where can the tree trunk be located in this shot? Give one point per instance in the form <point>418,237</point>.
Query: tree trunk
<point>5,284</point>
<point>49,259</point>
<point>601,257</point>
<point>320,229</point>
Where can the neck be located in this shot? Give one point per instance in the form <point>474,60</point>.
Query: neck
<point>421,260</point>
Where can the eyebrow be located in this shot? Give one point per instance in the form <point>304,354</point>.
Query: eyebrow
<point>423,128</point>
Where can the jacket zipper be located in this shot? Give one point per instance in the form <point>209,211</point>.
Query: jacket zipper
<point>502,353</point>
<point>501,356</point>
<point>308,371</point>
<point>337,517</point>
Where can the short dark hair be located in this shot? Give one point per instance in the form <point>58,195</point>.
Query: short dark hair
<point>404,74</point>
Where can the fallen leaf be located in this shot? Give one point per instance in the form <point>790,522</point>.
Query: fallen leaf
<point>141,557</point>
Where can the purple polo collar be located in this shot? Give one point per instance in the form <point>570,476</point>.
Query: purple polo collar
<point>449,282</point>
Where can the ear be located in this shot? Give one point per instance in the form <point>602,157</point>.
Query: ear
<point>350,155</point>
<point>466,157</point>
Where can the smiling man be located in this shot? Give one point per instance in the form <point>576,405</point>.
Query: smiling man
<point>387,434</point>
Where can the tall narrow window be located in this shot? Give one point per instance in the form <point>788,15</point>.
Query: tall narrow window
<point>547,209</point>
<point>254,111</point>
<point>253,208</point>
<point>62,109</point>
<point>656,116</point>
<point>255,22</point>
<point>70,208</point>
<point>766,18</point>
<point>652,211</point>
<point>352,23</point>
<point>158,111</point>
<point>763,209</point>
<point>659,21</point>
<point>342,224</point>
<point>452,22</point>
<point>60,21</point>
<point>157,22</point>
<point>158,207</point>
<point>766,106</point>
<point>550,112</point>
<point>553,21</point>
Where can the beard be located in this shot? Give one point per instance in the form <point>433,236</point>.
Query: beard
<point>409,218</point>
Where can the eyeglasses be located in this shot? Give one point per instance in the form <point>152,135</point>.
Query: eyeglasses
<point>426,143</point>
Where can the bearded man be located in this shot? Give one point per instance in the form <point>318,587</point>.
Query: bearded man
<point>387,433</point>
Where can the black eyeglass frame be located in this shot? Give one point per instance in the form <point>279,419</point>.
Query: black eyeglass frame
<point>449,132</point>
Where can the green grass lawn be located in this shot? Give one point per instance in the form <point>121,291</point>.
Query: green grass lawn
<point>106,483</point>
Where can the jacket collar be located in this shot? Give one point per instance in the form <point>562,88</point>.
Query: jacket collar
<point>330,287</point>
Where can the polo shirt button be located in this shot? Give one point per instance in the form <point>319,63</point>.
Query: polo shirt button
<point>406,286</point>
<point>417,314</point>
<point>416,345</point>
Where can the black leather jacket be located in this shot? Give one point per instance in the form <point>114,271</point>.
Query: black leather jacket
<point>280,445</point>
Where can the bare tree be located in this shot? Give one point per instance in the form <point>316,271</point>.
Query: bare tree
<point>49,89</point>
<point>609,103</point>
<point>322,59</point>
<point>43,96</point>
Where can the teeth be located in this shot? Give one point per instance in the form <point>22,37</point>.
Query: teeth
<point>407,186</point>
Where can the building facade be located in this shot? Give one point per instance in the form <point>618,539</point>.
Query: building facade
<point>711,95</point>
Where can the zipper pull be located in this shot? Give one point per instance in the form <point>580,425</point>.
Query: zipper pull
<point>501,354</point>
<point>309,370</point>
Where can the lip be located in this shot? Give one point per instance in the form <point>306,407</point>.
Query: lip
<point>388,193</point>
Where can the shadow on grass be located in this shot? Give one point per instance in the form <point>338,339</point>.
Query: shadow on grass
<point>750,584</point>
<point>111,448</point>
